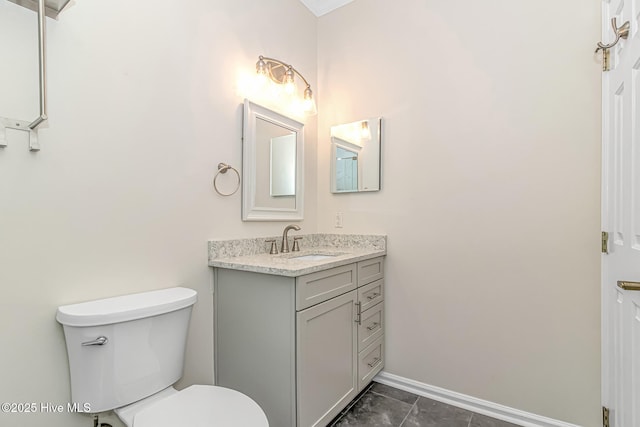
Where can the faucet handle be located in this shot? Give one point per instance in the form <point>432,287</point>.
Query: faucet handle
<point>296,246</point>
<point>274,247</point>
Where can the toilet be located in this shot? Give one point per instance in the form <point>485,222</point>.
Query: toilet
<point>125,353</point>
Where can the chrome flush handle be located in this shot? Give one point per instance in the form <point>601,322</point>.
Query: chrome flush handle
<point>101,340</point>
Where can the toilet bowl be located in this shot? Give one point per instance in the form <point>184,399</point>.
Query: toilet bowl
<point>195,406</point>
<point>125,353</point>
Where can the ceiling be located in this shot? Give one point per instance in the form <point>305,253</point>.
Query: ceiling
<point>321,7</point>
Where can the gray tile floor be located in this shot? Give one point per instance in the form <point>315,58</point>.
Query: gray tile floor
<point>381,405</point>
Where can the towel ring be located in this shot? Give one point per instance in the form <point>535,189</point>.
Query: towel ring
<point>222,169</point>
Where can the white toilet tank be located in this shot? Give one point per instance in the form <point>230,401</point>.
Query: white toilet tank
<point>126,348</point>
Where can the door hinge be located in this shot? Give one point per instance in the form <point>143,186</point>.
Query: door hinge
<point>605,242</point>
<point>606,60</point>
<point>605,416</point>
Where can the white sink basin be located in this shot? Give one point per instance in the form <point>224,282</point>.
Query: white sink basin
<point>312,257</point>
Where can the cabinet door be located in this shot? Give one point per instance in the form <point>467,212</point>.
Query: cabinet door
<point>327,359</point>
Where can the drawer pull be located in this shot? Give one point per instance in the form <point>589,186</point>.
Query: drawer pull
<point>373,326</point>
<point>374,362</point>
<point>373,296</point>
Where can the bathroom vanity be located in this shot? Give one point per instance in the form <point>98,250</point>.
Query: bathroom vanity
<point>301,333</point>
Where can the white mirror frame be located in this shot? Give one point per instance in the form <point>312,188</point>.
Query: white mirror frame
<point>250,210</point>
<point>369,172</point>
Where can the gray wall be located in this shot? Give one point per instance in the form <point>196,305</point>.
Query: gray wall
<point>490,190</point>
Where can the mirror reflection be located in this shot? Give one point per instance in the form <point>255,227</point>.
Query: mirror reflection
<point>283,165</point>
<point>355,156</point>
<point>272,158</point>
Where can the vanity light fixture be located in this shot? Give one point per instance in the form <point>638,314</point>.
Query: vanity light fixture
<point>283,74</point>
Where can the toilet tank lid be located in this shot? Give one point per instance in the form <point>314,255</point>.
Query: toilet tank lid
<point>126,307</point>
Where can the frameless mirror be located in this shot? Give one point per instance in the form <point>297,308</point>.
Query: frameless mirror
<point>272,160</point>
<point>355,156</point>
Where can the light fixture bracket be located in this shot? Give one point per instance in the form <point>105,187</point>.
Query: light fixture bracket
<point>284,74</point>
<point>277,70</point>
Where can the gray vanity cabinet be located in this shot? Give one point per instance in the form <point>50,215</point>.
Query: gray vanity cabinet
<point>302,347</point>
<point>327,359</point>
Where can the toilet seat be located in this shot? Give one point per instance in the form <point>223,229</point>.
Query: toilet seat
<point>203,406</point>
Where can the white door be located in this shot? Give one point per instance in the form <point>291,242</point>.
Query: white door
<point>621,217</point>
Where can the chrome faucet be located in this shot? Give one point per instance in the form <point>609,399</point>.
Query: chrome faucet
<point>284,248</point>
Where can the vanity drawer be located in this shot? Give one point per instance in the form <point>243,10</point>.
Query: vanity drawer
<point>370,270</point>
<point>314,288</point>
<point>371,326</point>
<point>371,294</point>
<point>370,362</point>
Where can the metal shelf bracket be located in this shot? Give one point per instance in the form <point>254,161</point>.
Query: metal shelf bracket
<point>52,8</point>
<point>43,9</point>
<point>21,125</point>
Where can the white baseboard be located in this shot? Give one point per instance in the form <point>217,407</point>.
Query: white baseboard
<point>484,407</point>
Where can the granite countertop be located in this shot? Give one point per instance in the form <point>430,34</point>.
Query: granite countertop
<point>252,254</point>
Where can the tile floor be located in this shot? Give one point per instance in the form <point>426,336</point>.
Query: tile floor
<point>381,405</point>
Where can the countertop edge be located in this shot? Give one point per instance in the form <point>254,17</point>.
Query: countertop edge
<point>241,265</point>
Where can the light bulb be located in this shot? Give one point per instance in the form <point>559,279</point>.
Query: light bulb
<point>289,86</point>
<point>308,104</point>
<point>365,133</point>
<point>261,80</point>
<point>261,67</point>
<point>261,72</point>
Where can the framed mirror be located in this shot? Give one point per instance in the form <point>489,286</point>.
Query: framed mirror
<point>272,165</point>
<point>355,156</point>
